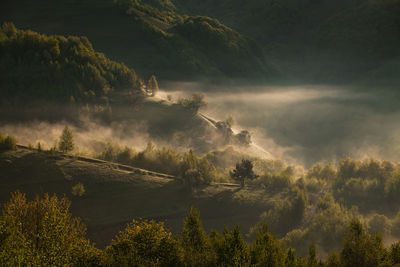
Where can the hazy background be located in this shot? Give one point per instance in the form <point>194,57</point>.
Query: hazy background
<point>300,124</point>
<point>306,124</point>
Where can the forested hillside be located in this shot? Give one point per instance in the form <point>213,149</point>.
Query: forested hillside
<point>330,40</point>
<point>37,66</point>
<point>153,38</point>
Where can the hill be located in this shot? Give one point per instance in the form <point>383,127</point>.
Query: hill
<point>316,40</point>
<point>36,66</point>
<point>114,196</point>
<point>153,41</point>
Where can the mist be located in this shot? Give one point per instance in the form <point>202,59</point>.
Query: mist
<point>90,136</point>
<point>307,124</point>
<point>299,124</point>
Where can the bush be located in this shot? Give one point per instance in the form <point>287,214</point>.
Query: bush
<point>275,182</point>
<point>78,190</point>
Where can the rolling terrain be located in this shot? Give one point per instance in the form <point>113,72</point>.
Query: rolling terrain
<point>115,196</point>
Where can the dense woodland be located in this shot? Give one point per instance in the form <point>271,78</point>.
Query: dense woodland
<point>57,68</point>
<point>154,38</point>
<point>311,41</point>
<point>43,232</point>
<point>334,41</point>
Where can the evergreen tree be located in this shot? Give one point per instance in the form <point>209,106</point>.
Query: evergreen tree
<point>230,248</point>
<point>312,256</point>
<point>266,250</point>
<point>194,241</point>
<point>152,85</point>
<point>66,143</point>
<point>360,248</point>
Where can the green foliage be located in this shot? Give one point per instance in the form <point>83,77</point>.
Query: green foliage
<point>143,243</point>
<point>78,190</point>
<point>194,103</point>
<point>57,68</point>
<point>193,170</point>
<point>230,248</point>
<point>287,214</point>
<point>333,260</point>
<point>324,40</point>
<point>66,143</point>
<point>243,171</point>
<point>275,182</point>
<point>312,256</point>
<point>394,253</point>
<point>360,248</point>
<point>197,250</point>
<point>266,249</point>
<point>322,171</point>
<point>43,233</point>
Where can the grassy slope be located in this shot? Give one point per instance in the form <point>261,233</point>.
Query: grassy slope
<point>115,197</point>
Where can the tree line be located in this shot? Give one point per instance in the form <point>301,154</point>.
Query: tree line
<point>43,232</point>
<point>57,68</point>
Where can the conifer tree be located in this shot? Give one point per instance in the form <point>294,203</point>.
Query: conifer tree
<point>66,143</point>
<point>194,241</point>
<point>152,85</point>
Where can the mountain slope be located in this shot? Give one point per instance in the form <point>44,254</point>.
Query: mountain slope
<point>146,38</point>
<point>33,65</point>
<point>318,40</point>
<point>114,197</point>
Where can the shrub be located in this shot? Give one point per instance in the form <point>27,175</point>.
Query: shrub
<point>78,190</point>
<point>275,182</point>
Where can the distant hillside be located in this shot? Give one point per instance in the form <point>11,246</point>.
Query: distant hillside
<point>316,39</point>
<point>38,66</point>
<point>152,38</point>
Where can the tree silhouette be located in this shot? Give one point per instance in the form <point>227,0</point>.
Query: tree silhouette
<point>243,170</point>
<point>66,143</point>
<point>152,85</point>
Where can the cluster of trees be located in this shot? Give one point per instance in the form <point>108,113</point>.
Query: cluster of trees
<point>43,232</point>
<point>7,143</point>
<point>367,183</point>
<point>38,66</point>
<point>317,206</point>
<point>193,169</point>
<point>194,103</point>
